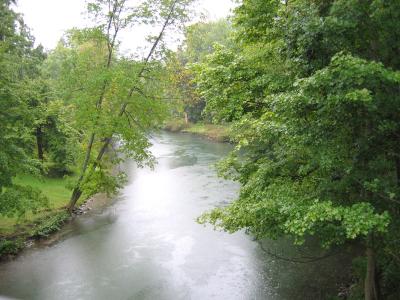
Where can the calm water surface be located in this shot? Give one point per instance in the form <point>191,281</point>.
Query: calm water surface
<point>147,245</point>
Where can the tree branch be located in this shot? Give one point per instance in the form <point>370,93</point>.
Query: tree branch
<point>301,260</point>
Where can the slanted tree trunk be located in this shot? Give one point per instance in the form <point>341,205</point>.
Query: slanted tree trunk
<point>39,142</point>
<point>371,291</point>
<point>77,192</point>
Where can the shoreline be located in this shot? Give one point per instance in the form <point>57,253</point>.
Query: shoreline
<point>216,133</point>
<point>46,231</point>
<point>49,230</point>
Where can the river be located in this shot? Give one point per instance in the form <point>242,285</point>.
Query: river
<point>147,245</point>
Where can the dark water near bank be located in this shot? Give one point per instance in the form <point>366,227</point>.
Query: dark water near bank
<point>148,246</point>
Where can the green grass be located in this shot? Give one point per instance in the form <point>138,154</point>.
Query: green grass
<point>53,188</point>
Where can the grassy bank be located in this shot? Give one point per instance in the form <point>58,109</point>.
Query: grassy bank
<point>219,133</point>
<point>14,231</point>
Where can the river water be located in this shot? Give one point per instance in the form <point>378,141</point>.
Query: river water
<point>147,245</point>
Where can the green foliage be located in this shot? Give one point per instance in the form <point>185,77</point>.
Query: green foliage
<point>19,200</point>
<point>201,39</point>
<point>113,98</point>
<point>55,190</point>
<point>313,88</point>
<point>18,61</point>
<point>102,181</point>
<point>307,184</point>
<point>85,78</point>
<point>235,81</point>
<point>10,247</point>
<point>50,224</point>
<point>255,20</point>
<point>14,116</point>
<point>76,105</point>
<point>72,106</point>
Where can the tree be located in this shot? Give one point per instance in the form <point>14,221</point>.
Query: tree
<point>200,40</point>
<point>114,92</point>
<point>317,141</point>
<point>17,58</point>
<point>54,137</point>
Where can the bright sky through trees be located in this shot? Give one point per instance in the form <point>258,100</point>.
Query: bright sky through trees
<point>48,19</point>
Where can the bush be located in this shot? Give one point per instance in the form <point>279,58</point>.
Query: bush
<point>10,247</point>
<point>50,225</point>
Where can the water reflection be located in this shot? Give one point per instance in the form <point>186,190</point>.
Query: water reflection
<point>147,245</point>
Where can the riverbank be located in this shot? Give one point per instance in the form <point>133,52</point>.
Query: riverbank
<point>218,133</point>
<point>149,238</point>
<point>18,233</point>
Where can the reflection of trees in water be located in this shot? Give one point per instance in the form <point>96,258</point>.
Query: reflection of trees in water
<point>307,271</point>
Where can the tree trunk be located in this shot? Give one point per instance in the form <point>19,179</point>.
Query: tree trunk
<point>39,142</point>
<point>370,285</point>
<point>77,192</point>
<point>186,117</point>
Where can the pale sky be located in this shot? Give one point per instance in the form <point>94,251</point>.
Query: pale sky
<point>49,19</point>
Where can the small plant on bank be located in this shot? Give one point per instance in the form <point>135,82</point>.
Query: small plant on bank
<point>50,225</point>
<point>10,247</point>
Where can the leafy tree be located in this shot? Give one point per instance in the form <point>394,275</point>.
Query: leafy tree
<point>235,82</point>
<point>54,136</point>
<point>316,124</point>
<point>17,57</point>
<point>200,41</point>
<point>114,97</point>
<point>201,37</point>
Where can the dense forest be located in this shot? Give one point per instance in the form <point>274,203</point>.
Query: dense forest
<point>310,91</point>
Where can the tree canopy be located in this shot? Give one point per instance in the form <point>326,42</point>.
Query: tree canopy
<point>18,64</point>
<point>313,89</point>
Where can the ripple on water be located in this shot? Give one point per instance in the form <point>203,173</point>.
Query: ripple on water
<point>147,245</point>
